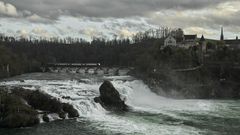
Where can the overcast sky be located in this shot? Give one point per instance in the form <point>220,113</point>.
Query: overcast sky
<point>107,18</point>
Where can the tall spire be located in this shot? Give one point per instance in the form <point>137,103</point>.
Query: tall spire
<point>202,38</point>
<point>222,36</point>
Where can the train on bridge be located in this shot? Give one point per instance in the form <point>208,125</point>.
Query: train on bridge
<point>73,65</point>
<point>86,68</point>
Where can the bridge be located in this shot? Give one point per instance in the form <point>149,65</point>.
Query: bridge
<point>85,68</point>
<point>73,65</point>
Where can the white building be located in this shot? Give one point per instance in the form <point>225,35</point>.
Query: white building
<point>185,42</point>
<point>189,41</point>
<point>170,41</point>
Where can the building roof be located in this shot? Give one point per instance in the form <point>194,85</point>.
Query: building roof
<point>232,42</point>
<point>179,39</point>
<point>202,38</point>
<point>190,37</point>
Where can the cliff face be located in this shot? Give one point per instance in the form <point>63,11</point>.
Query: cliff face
<point>198,84</point>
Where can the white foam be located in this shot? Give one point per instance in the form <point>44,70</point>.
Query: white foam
<point>136,94</point>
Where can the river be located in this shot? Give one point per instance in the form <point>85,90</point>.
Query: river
<point>150,114</point>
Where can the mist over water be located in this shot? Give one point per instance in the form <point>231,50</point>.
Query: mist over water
<point>150,114</point>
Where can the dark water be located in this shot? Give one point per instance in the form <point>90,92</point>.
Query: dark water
<point>150,114</point>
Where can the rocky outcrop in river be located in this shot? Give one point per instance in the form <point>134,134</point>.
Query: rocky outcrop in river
<point>18,108</point>
<point>14,112</point>
<point>110,98</point>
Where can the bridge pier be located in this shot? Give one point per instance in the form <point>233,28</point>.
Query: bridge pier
<point>43,69</point>
<point>58,70</point>
<point>86,70</point>
<point>95,71</point>
<point>117,71</point>
<point>80,70</point>
<point>77,70</point>
<point>106,70</point>
<point>100,70</point>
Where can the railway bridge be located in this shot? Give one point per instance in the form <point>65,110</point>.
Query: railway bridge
<point>86,68</point>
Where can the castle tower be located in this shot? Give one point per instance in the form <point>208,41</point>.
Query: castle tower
<point>203,49</point>
<point>222,35</point>
<point>203,44</point>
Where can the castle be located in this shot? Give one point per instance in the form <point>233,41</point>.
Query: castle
<point>184,41</point>
<point>187,41</point>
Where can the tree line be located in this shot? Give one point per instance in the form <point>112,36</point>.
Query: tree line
<point>28,55</point>
<point>141,51</point>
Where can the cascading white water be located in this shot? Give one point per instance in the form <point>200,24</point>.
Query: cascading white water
<point>81,93</point>
<point>148,113</point>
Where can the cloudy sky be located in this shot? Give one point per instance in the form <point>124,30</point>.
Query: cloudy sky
<point>121,18</point>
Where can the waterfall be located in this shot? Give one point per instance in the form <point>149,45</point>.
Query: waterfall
<point>149,114</point>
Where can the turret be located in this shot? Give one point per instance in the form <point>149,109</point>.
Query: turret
<point>202,39</point>
<point>222,35</point>
<point>203,44</point>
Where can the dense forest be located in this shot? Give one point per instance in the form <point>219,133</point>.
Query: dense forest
<point>27,55</point>
<point>161,67</point>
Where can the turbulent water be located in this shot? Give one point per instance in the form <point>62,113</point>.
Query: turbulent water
<point>150,114</point>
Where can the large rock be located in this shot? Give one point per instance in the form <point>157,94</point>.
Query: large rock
<point>46,118</point>
<point>110,98</point>
<point>72,113</point>
<point>47,103</point>
<point>14,112</point>
<point>18,108</point>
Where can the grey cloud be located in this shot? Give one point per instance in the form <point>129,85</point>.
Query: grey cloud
<point>8,10</point>
<point>106,8</point>
<point>116,15</point>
